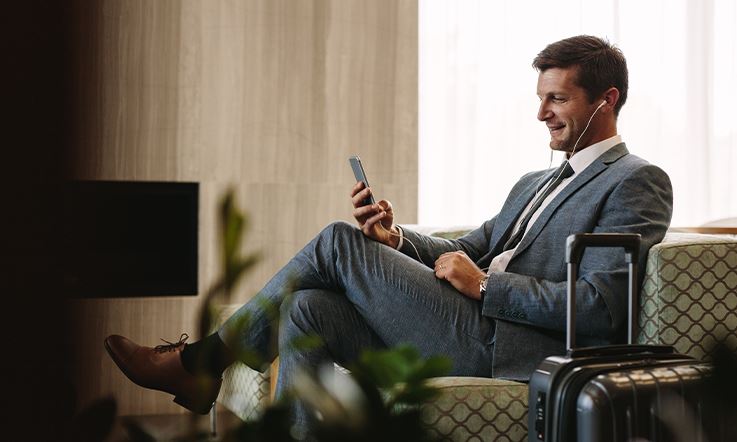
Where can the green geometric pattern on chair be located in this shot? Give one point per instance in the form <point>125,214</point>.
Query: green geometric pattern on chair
<point>477,409</point>
<point>689,295</point>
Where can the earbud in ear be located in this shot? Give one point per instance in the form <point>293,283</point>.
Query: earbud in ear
<point>602,103</point>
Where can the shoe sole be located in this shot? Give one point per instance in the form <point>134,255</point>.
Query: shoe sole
<point>193,406</point>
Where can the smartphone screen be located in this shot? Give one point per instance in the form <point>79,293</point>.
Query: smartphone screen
<point>360,175</point>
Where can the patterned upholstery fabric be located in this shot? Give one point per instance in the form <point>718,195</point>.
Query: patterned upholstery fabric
<point>477,409</point>
<point>245,391</point>
<point>689,295</point>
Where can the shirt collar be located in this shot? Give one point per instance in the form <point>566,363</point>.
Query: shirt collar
<point>584,157</point>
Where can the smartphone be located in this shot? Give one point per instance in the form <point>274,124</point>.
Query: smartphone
<point>360,175</point>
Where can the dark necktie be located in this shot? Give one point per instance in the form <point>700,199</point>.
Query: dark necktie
<point>564,171</point>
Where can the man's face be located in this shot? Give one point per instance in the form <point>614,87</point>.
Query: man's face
<point>565,109</point>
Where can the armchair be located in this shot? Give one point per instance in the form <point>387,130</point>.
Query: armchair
<point>688,300</point>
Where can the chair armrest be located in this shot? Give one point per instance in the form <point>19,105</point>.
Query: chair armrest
<point>689,294</point>
<point>711,230</point>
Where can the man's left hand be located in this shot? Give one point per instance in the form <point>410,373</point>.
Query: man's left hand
<point>462,273</point>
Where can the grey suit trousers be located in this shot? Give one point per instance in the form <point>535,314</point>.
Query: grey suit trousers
<point>355,293</point>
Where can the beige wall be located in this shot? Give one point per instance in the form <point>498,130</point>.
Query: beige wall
<point>269,97</point>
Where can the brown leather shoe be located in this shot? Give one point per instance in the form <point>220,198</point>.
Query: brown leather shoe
<point>160,368</point>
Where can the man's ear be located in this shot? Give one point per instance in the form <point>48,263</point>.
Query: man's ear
<point>611,96</point>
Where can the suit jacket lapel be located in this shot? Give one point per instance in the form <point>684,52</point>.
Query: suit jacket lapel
<point>594,169</point>
<point>508,218</point>
<point>505,220</point>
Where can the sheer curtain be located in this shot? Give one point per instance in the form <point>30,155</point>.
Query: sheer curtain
<point>477,104</point>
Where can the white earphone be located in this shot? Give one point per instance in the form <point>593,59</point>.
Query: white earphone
<point>579,137</point>
<point>587,126</point>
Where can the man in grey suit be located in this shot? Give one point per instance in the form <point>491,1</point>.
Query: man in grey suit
<point>494,300</point>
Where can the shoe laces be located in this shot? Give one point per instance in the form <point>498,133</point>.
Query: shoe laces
<point>171,346</point>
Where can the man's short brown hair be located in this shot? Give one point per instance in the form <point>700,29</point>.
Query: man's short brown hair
<point>600,65</point>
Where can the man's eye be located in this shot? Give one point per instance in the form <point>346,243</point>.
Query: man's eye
<point>559,99</point>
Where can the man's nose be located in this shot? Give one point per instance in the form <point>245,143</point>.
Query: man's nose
<point>543,112</point>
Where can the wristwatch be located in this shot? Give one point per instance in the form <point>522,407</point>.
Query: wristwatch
<point>482,286</point>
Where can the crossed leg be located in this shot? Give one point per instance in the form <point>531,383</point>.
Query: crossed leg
<point>354,293</point>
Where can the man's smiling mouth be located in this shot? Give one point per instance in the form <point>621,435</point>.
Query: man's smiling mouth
<point>556,128</point>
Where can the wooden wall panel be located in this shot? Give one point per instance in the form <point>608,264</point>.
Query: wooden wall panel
<point>268,97</point>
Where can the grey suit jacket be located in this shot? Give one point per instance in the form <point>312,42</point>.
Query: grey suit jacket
<point>619,192</point>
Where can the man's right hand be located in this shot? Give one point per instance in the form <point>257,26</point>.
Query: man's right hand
<point>375,220</point>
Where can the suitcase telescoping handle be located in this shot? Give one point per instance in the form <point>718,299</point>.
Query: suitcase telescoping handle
<point>575,245</point>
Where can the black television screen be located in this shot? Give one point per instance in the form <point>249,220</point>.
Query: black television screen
<point>130,239</point>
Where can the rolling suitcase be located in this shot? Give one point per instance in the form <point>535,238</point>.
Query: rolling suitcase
<point>666,403</point>
<point>556,384</point>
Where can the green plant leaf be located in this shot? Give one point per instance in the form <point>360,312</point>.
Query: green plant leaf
<point>238,267</point>
<point>250,357</point>
<point>383,369</point>
<point>415,395</point>
<point>433,367</point>
<point>271,309</point>
<point>307,342</point>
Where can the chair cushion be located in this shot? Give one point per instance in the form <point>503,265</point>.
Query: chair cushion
<point>470,408</point>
